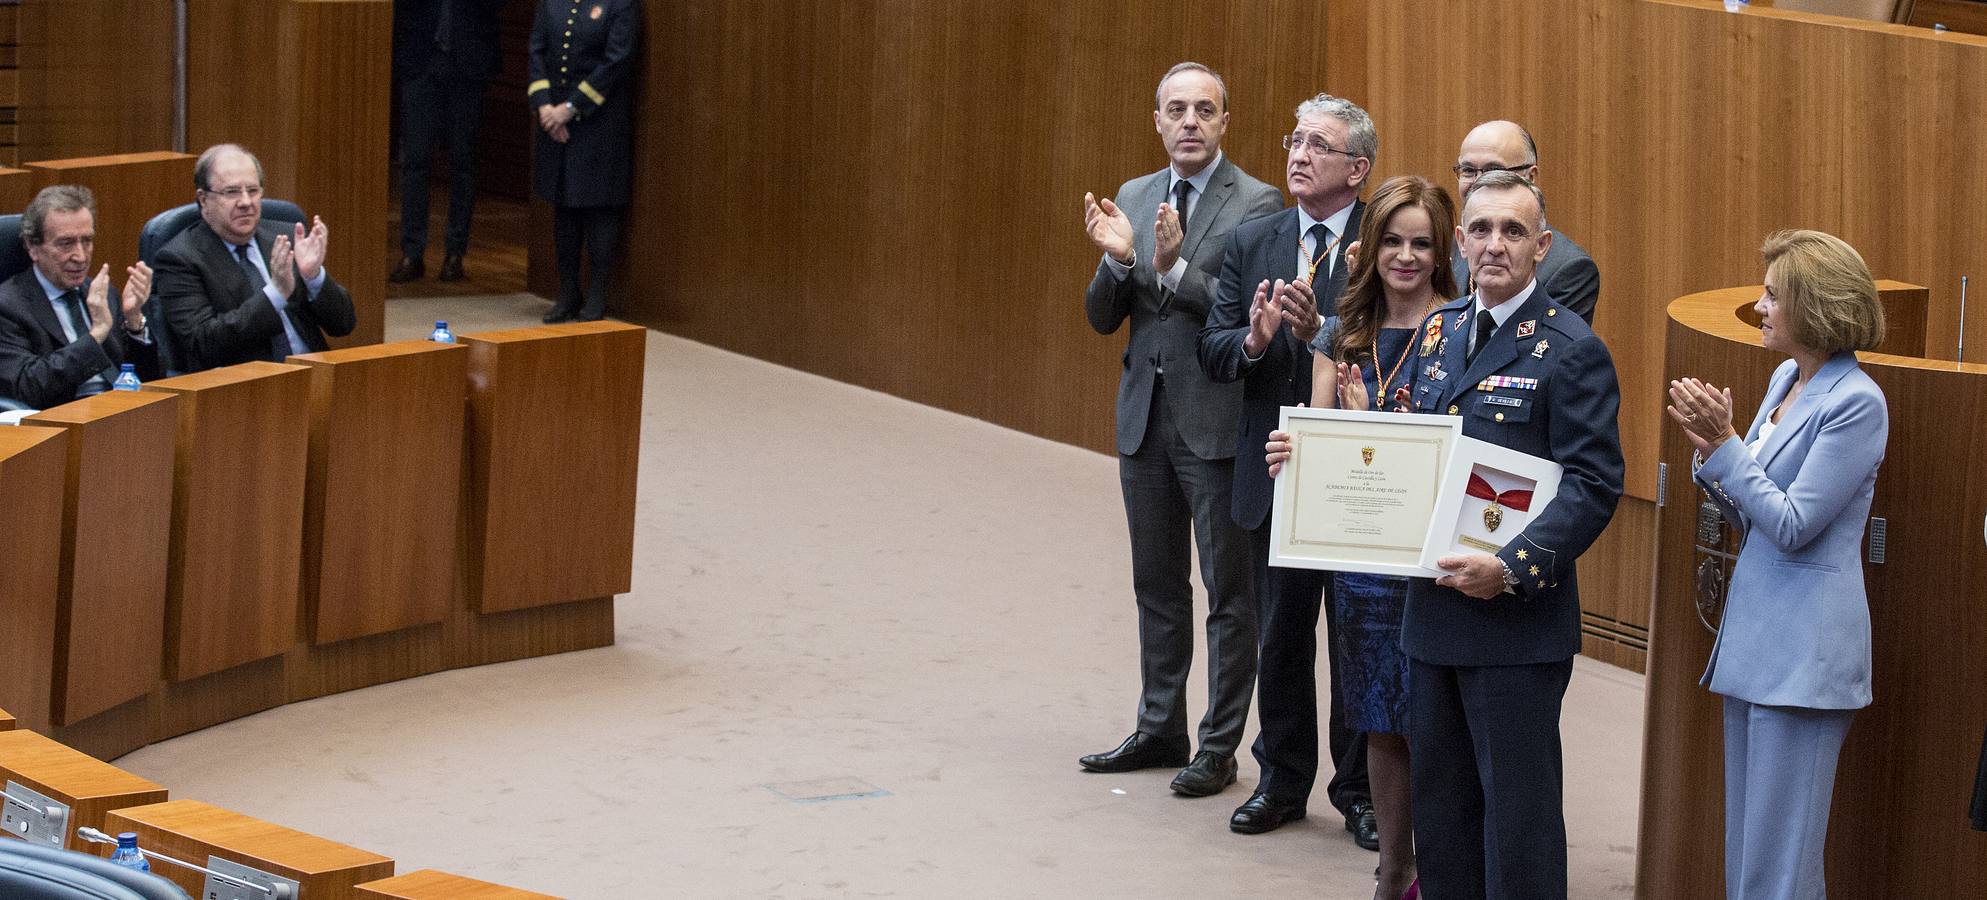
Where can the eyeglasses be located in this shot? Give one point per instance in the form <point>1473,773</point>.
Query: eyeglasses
<point>1464,170</point>
<point>236,193</point>
<point>1311,142</point>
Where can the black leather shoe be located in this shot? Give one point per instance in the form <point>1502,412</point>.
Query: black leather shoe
<point>451,269</point>
<point>411,268</point>
<point>559,313</point>
<point>1364,827</point>
<point>1262,814</point>
<point>1140,751</point>
<point>1206,775</point>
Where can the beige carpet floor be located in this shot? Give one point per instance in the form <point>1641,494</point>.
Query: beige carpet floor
<point>867,641</point>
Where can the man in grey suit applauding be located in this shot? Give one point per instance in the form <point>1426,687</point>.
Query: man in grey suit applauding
<point>1567,274</point>
<point>1163,241</point>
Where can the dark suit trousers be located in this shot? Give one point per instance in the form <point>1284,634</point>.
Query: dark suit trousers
<point>438,107</point>
<point>1288,602</point>
<point>1489,822</point>
<point>1167,488</point>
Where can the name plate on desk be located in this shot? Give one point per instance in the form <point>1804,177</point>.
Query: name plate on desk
<point>1359,490</point>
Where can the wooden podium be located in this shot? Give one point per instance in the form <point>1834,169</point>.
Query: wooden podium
<point>1898,823</point>
<point>117,515</point>
<point>6,720</point>
<point>193,831</point>
<point>32,461</point>
<point>428,884</point>
<point>91,789</point>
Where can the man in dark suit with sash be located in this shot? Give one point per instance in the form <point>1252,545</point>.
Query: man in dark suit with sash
<point>1491,644</point>
<point>1265,313</point>
<point>1163,241</point>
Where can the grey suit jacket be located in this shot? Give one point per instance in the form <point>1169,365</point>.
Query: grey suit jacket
<point>1796,630</point>
<point>1567,274</point>
<point>1165,324</point>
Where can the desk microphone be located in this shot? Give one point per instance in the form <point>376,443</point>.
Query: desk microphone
<point>276,892</point>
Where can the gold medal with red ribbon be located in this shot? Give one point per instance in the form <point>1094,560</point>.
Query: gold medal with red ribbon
<point>1493,515</point>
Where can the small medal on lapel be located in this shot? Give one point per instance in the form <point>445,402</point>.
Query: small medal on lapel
<point>1526,328</point>
<point>1538,350</point>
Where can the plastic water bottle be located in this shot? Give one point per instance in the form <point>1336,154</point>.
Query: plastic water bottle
<point>441,334</point>
<point>127,378</point>
<point>127,854</point>
<point>1736,5</point>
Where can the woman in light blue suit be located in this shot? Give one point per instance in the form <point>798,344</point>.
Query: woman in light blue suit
<point>1792,659</point>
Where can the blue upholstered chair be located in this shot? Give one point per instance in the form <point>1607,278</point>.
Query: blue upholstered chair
<point>164,227</point>
<point>40,872</point>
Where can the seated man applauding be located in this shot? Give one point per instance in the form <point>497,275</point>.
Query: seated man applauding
<point>234,288</point>
<point>60,338</point>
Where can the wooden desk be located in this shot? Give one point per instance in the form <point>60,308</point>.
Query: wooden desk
<point>554,435</point>
<point>192,831</point>
<point>117,521</point>
<point>32,462</point>
<point>131,188</point>
<point>237,518</point>
<point>91,788</point>
<point>429,884</point>
<point>381,493</point>
<point>17,187</point>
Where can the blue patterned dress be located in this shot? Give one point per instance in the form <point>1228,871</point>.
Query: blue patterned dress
<point>1372,670</point>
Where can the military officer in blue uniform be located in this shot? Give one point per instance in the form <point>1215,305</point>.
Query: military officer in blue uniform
<point>582,55</point>
<point>1491,643</point>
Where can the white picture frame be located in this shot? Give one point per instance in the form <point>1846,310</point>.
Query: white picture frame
<point>1359,489</point>
<point>1461,525</point>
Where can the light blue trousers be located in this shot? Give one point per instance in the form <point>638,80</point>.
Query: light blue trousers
<point>1779,778</point>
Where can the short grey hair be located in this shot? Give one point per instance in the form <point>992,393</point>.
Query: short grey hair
<point>1508,179</point>
<point>203,168</point>
<point>54,198</point>
<point>1360,138</point>
<point>1159,93</point>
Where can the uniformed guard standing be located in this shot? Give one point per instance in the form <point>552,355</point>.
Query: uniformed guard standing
<point>582,52</point>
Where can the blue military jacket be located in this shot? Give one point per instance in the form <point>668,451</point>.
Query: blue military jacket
<point>1545,385</point>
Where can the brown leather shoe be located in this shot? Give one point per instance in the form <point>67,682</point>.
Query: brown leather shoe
<point>411,268</point>
<point>451,269</point>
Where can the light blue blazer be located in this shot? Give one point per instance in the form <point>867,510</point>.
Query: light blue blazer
<point>1796,630</point>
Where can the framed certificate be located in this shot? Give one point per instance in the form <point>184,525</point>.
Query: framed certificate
<point>1489,494</point>
<point>1360,489</point>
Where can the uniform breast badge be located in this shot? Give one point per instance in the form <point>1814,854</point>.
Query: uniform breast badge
<point>1431,335</point>
<point>1526,328</point>
<point>1538,350</point>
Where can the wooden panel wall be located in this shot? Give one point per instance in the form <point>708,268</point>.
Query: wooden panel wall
<point>96,77</point>
<point>1898,825</point>
<point>131,188</point>
<point>890,193</point>
<point>305,85</point>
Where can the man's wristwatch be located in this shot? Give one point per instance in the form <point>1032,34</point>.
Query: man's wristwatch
<point>1510,578</point>
<point>141,325</point>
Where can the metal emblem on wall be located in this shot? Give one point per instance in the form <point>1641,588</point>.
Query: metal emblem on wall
<point>1717,550</point>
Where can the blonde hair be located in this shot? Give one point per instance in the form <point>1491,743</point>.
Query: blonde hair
<point>1828,291</point>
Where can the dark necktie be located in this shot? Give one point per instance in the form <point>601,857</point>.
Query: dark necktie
<point>1180,191</point>
<point>279,346</point>
<point>1321,262</point>
<point>79,317</point>
<point>1485,325</point>
<point>442,17</point>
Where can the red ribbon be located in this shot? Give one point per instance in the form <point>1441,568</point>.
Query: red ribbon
<point>1518,500</point>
